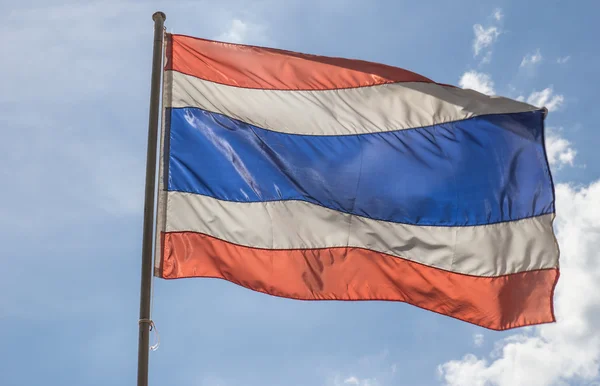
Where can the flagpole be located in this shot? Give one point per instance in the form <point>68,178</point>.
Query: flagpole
<point>148,227</point>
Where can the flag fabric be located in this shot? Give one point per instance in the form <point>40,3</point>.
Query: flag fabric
<point>321,178</point>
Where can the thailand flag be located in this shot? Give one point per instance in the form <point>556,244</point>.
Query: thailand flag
<point>321,178</point>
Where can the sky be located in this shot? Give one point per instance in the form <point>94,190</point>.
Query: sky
<point>74,115</point>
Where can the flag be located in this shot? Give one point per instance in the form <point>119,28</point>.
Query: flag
<point>321,178</point>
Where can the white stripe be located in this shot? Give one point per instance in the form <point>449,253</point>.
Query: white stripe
<point>161,202</point>
<point>489,250</point>
<point>360,110</point>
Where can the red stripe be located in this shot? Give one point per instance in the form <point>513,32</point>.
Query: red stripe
<point>273,69</point>
<point>497,303</point>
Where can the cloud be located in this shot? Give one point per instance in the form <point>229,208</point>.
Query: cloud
<point>560,151</point>
<point>478,340</point>
<point>484,37</point>
<point>487,58</point>
<point>370,370</point>
<point>563,59</point>
<point>72,156</point>
<point>477,81</point>
<point>243,32</point>
<point>546,98</point>
<point>531,59</point>
<point>498,15</point>
<point>354,381</point>
<point>566,351</point>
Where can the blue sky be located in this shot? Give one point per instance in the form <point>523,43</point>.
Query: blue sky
<point>74,116</point>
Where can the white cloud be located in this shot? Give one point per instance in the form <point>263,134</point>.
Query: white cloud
<point>559,150</point>
<point>84,160</point>
<point>237,32</point>
<point>243,32</point>
<point>531,59</point>
<point>487,58</point>
<point>370,370</point>
<point>484,37</point>
<point>563,59</point>
<point>498,15</point>
<point>546,98</point>
<point>477,81</point>
<point>354,381</point>
<point>566,351</point>
<point>478,340</point>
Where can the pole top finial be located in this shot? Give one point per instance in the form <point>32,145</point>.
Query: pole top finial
<point>159,15</point>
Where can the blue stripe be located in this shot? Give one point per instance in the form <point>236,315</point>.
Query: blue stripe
<point>481,170</point>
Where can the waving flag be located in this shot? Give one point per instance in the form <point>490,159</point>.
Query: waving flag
<point>321,178</point>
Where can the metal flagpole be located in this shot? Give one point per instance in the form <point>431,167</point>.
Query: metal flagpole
<point>147,242</point>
